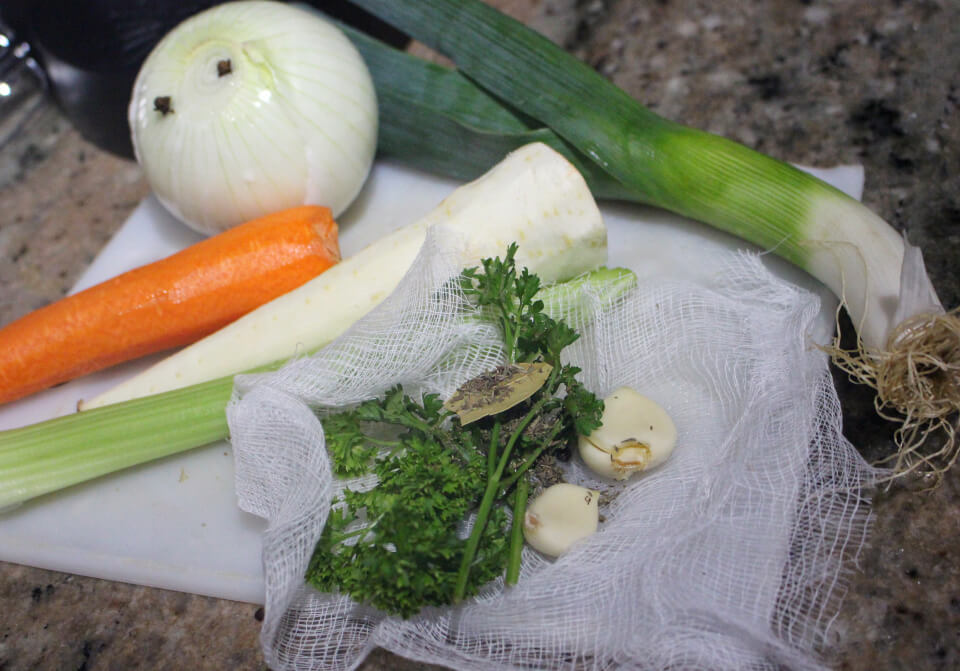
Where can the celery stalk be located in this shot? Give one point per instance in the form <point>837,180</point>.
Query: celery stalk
<point>55,454</point>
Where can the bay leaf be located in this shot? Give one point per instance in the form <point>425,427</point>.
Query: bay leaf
<point>497,390</point>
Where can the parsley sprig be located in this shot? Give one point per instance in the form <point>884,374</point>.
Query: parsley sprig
<point>400,545</point>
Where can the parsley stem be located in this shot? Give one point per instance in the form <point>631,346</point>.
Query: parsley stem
<point>516,531</point>
<point>528,462</point>
<point>492,451</point>
<point>490,493</point>
<point>381,442</point>
<point>509,338</point>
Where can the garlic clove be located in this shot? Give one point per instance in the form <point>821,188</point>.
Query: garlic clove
<point>559,517</point>
<point>636,435</point>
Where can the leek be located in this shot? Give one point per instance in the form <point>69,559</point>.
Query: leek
<point>414,94</point>
<point>908,347</point>
<point>55,454</point>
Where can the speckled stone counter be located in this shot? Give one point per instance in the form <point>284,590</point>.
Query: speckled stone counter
<point>818,82</point>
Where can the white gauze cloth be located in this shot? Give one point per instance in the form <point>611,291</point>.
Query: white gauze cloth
<point>729,556</point>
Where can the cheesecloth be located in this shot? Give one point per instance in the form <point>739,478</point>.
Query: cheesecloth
<point>729,556</point>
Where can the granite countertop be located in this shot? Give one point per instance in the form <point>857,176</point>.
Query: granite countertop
<point>818,82</point>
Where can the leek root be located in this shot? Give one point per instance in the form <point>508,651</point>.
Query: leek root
<point>917,379</point>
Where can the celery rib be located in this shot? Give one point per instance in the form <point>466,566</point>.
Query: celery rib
<point>55,454</point>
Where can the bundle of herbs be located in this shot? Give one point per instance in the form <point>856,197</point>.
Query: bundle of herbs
<point>453,477</point>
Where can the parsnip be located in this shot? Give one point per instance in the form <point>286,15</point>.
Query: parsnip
<point>534,197</point>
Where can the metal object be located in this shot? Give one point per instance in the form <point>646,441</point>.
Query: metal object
<point>23,83</point>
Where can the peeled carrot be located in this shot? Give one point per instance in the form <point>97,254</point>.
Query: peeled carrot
<point>168,303</point>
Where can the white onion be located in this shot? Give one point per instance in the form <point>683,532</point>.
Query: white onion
<point>293,122</point>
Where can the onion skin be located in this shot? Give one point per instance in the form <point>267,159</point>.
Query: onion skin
<point>249,108</point>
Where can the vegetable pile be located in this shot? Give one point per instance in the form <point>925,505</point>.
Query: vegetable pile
<point>450,489</point>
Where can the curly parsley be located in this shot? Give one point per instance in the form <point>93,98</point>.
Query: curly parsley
<point>436,527</point>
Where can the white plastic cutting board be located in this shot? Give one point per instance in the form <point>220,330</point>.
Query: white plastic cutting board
<point>174,523</point>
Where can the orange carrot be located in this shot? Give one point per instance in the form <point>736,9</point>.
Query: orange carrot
<point>169,303</point>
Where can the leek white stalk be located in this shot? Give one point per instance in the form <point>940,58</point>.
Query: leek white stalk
<point>533,197</point>
<point>249,108</point>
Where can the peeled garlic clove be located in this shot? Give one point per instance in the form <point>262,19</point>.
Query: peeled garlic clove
<point>636,435</point>
<point>559,517</point>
